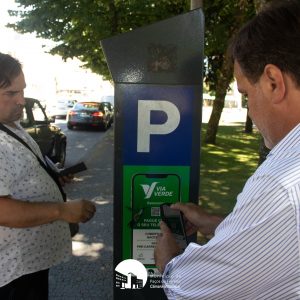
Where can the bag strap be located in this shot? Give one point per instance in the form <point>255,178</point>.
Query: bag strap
<point>50,172</point>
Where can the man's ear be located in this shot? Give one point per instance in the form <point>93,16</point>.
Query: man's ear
<point>274,83</point>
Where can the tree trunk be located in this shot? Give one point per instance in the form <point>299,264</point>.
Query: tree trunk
<point>221,90</point>
<point>249,124</point>
<point>196,4</point>
<point>114,17</point>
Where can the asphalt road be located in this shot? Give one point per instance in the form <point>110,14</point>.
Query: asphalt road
<point>88,275</point>
<point>79,141</point>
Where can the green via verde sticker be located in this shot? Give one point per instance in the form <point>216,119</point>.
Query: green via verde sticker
<point>145,189</point>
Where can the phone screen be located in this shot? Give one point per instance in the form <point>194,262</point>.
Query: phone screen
<point>149,191</point>
<point>174,219</point>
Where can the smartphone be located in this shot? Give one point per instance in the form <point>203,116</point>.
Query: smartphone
<point>174,219</point>
<point>73,169</point>
<point>66,171</point>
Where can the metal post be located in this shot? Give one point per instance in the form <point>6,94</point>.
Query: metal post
<point>157,71</point>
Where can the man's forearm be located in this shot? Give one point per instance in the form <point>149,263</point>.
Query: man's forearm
<point>21,214</point>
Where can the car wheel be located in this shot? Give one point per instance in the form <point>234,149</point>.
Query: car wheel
<point>69,126</point>
<point>61,155</point>
<point>104,126</point>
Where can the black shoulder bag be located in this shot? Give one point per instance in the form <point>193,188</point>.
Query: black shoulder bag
<point>74,227</point>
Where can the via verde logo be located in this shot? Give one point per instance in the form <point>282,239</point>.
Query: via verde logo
<point>148,189</point>
<point>130,274</point>
<point>156,190</point>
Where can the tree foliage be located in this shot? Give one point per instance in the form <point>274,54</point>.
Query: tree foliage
<point>223,19</point>
<point>77,26</point>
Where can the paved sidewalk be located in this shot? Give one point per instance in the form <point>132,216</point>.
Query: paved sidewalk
<point>88,275</point>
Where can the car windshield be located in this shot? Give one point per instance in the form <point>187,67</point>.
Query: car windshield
<point>86,106</point>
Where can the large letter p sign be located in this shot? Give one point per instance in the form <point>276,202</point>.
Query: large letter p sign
<point>145,129</point>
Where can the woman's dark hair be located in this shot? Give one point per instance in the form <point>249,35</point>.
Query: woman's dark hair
<point>271,37</point>
<point>10,68</point>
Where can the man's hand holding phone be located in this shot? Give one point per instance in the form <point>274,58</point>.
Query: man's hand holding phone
<point>174,220</point>
<point>196,219</point>
<point>166,247</point>
<point>172,240</point>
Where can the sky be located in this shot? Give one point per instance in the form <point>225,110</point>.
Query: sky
<point>46,74</point>
<point>12,41</point>
<point>4,6</point>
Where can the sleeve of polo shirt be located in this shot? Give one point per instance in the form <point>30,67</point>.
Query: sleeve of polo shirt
<point>254,249</point>
<point>7,169</point>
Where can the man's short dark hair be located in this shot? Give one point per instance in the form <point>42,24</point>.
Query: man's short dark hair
<point>271,37</point>
<point>10,68</point>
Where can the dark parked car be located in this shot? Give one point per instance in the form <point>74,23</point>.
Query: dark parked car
<point>49,137</point>
<point>94,114</point>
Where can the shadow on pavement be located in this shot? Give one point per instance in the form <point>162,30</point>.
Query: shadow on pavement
<point>88,274</point>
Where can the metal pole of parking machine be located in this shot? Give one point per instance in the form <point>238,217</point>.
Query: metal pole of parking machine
<point>157,71</point>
